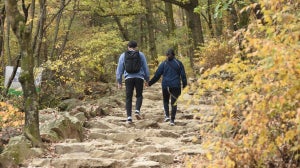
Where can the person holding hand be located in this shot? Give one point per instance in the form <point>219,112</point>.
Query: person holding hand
<point>174,77</point>
<point>133,66</point>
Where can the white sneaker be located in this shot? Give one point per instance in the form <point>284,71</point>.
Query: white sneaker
<point>167,119</point>
<point>129,120</point>
<point>172,123</point>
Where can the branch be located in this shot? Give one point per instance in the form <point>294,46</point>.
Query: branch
<point>113,14</point>
<point>25,10</point>
<point>14,16</point>
<point>58,12</point>
<point>13,74</point>
<point>275,143</point>
<point>205,18</point>
<point>181,4</point>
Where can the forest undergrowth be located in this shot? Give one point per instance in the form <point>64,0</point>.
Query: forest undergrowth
<point>258,119</point>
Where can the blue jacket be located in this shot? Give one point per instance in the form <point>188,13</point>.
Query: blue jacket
<point>173,73</point>
<point>143,73</point>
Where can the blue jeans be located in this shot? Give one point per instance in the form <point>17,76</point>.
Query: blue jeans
<point>172,93</point>
<point>130,84</point>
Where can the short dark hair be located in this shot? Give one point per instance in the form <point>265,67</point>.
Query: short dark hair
<point>132,44</point>
<point>170,52</point>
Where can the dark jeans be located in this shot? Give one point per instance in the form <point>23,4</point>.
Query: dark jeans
<point>174,93</point>
<point>130,84</point>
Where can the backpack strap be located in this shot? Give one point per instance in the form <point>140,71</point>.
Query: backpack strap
<point>177,70</point>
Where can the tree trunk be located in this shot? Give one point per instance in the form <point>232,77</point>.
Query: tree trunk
<point>193,20</point>
<point>194,23</point>
<point>150,26</point>
<point>75,7</point>
<point>2,34</point>
<point>7,44</point>
<point>23,32</point>
<point>208,12</point>
<point>38,38</point>
<point>195,34</point>
<point>169,18</point>
<point>143,38</point>
<point>233,18</point>
<point>170,23</point>
<point>53,48</point>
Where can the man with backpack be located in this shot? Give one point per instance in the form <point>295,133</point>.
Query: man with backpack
<point>133,65</point>
<point>173,74</point>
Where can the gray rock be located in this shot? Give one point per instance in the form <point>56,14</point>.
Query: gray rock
<point>161,157</point>
<point>17,151</point>
<point>146,164</point>
<point>63,127</point>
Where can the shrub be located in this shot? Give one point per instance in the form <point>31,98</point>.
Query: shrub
<point>10,116</point>
<point>258,125</point>
<point>214,53</point>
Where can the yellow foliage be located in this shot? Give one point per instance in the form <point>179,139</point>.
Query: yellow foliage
<point>229,162</point>
<point>209,156</point>
<point>10,116</point>
<point>260,112</point>
<point>215,53</point>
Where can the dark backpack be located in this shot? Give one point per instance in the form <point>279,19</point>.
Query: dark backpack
<point>132,61</point>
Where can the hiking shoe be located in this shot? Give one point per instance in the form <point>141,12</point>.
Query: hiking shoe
<point>138,115</point>
<point>167,119</point>
<point>129,120</point>
<point>172,123</point>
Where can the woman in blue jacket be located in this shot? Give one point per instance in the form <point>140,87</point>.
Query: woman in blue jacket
<point>173,74</point>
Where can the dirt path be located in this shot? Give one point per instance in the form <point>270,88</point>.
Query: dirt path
<point>146,143</point>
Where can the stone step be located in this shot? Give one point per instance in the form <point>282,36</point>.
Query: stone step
<point>62,148</point>
<point>147,143</point>
<point>76,161</point>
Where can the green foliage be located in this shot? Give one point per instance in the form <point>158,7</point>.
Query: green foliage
<point>87,61</point>
<point>100,56</point>
<point>258,123</point>
<point>187,66</point>
<point>177,40</point>
<point>108,7</point>
<point>97,57</point>
<point>221,6</point>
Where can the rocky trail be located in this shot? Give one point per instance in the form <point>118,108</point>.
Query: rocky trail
<point>110,142</point>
